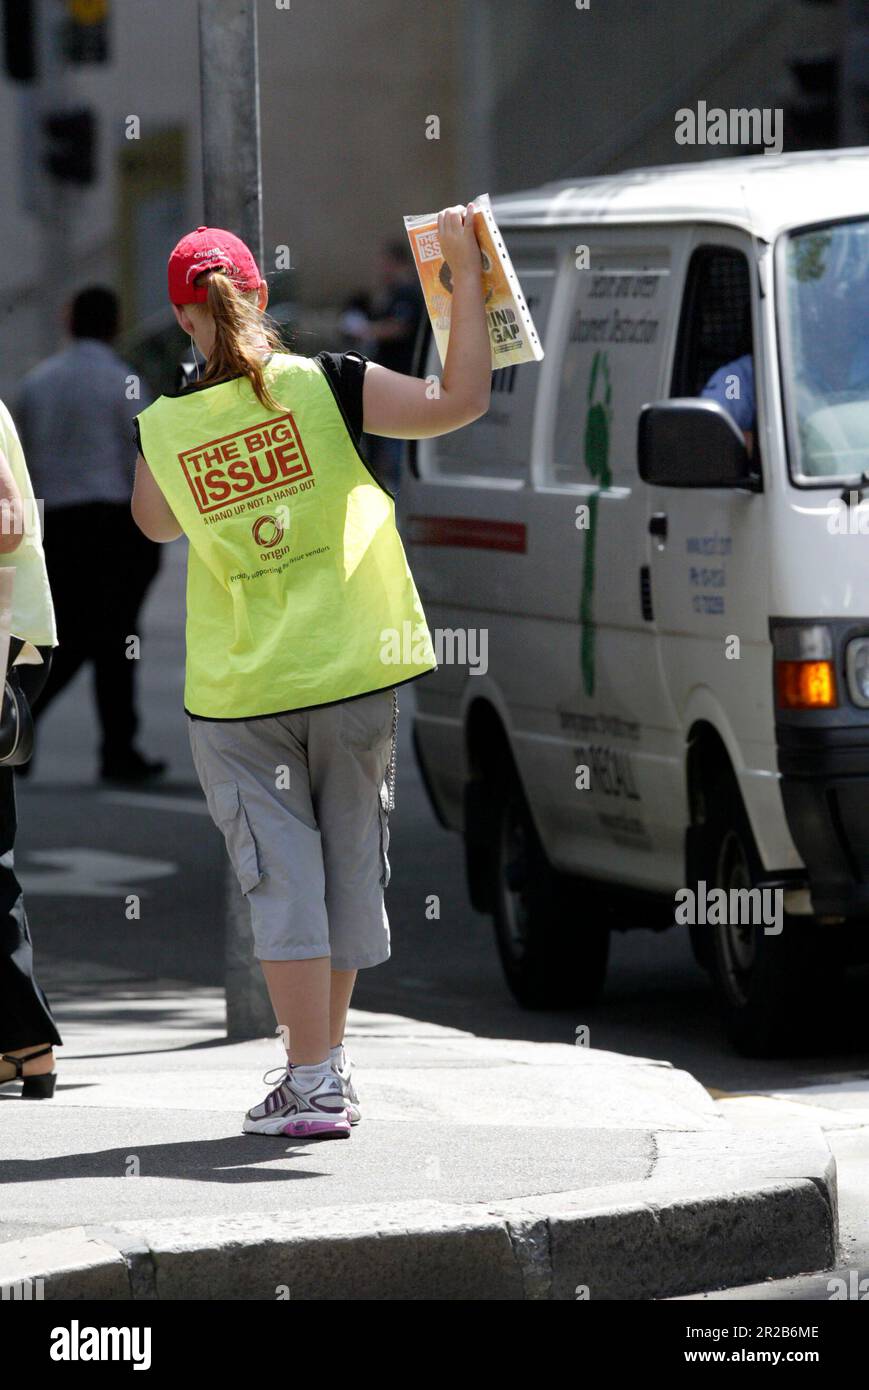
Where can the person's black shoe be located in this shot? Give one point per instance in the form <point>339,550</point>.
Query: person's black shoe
<point>131,769</point>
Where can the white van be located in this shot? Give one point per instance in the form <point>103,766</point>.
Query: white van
<point>675,694</point>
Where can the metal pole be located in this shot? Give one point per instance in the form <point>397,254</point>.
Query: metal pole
<point>231,165</point>
<point>476,36</point>
<point>232,186</point>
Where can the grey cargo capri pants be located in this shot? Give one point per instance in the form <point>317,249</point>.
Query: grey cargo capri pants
<point>303,804</point>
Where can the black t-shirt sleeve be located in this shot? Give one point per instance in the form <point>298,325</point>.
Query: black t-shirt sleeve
<point>346,372</point>
<point>137,436</point>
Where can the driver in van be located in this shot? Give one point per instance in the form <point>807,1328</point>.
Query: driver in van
<point>733,384</point>
<point>733,387</point>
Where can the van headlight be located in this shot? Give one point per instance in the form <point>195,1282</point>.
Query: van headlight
<point>857,667</point>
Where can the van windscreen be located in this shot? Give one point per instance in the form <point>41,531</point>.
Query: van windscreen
<point>825,351</point>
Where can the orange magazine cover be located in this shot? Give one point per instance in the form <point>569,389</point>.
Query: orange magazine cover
<point>511,329</point>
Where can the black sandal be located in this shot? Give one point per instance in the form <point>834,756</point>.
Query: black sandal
<point>34,1087</point>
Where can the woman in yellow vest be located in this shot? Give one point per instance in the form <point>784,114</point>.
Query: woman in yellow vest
<point>302,619</point>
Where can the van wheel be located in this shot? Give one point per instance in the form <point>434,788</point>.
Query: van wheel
<point>552,943</point>
<point>768,985</point>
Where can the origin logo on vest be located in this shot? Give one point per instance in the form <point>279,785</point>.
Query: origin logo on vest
<point>246,463</point>
<point>268,532</point>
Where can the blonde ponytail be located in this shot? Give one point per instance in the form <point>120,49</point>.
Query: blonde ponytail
<point>241,333</point>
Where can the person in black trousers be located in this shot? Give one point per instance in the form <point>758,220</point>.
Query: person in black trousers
<point>28,1033</point>
<point>100,567</point>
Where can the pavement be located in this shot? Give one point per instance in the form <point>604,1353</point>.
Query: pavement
<point>492,1161</point>
<point>483,1168</point>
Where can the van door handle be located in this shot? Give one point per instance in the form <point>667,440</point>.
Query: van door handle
<point>658,525</point>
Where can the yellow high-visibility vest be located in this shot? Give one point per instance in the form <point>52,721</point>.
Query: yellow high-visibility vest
<point>298,589</point>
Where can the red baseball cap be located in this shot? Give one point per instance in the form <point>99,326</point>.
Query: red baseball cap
<point>209,248</point>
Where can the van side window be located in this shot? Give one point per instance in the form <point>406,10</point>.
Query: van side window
<point>609,363</point>
<point>498,445</point>
<point>714,352</point>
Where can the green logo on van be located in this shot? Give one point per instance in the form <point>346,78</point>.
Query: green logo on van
<point>596,449</point>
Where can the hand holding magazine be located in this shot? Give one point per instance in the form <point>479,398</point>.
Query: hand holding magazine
<point>512,334</point>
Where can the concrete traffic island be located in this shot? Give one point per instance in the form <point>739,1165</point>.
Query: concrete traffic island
<point>482,1169</point>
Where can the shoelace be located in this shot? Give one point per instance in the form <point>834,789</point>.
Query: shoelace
<point>282,1072</point>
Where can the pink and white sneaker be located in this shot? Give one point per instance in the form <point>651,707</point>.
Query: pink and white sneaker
<point>343,1069</point>
<point>307,1103</point>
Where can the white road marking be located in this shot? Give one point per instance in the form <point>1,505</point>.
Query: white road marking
<point>192,805</point>
<point>90,873</point>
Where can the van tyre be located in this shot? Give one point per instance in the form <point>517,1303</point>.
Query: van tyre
<point>771,989</point>
<point>551,940</point>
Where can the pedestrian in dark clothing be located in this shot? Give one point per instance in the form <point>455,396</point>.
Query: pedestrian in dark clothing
<point>392,327</point>
<point>27,1030</point>
<point>76,415</point>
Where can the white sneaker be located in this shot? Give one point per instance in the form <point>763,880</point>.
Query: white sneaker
<point>343,1069</point>
<point>308,1103</point>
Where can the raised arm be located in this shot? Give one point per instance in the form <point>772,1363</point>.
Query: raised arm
<point>405,407</point>
<point>151,512</point>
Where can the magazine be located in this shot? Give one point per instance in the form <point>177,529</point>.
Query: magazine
<point>511,329</point>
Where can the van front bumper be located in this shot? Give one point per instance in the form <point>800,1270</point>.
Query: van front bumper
<point>825,791</point>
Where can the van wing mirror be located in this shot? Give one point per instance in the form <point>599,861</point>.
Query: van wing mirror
<point>686,442</point>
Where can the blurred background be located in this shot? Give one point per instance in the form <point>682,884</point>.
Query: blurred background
<point>100,108</point>
<point>101,164</point>
<point>367,112</point>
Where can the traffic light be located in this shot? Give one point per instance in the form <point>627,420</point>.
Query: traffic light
<point>71,145</point>
<point>811,120</point>
<point>86,31</point>
<point>83,35</point>
<point>812,115</point>
<point>19,40</point>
